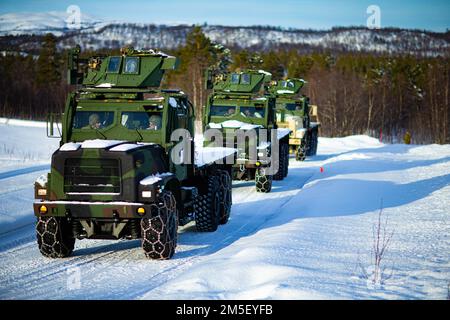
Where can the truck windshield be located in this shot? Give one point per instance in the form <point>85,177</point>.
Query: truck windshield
<point>223,111</point>
<point>141,120</point>
<point>252,112</point>
<point>291,106</point>
<point>92,119</point>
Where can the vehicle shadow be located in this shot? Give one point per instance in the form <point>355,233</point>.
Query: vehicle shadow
<point>109,246</point>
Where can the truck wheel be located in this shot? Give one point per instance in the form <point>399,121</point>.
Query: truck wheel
<point>286,159</point>
<point>281,163</point>
<point>316,142</point>
<point>263,182</point>
<point>207,207</point>
<point>300,154</point>
<point>225,196</point>
<point>159,233</point>
<point>54,237</point>
<point>312,144</point>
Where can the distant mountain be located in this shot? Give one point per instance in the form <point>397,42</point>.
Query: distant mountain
<point>96,34</point>
<point>40,23</point>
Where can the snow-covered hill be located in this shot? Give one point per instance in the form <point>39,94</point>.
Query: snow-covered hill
<point>310,238</point>
<point>95,34</point>
<point>40,23</point>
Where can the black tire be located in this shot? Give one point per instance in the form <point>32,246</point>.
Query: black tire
<point>54,237</point>
<point>263,182</point>
<point>159,232</point>
<point>207,206</point>
<point>316,142</point>
<point>310,144</point>
<point>225,196</point>
<point>286,159</point>
<point>281,163</point>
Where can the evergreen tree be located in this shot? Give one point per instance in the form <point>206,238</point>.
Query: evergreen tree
<point>48,64</point>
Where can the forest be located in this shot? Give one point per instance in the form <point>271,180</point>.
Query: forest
<point>382,95</point>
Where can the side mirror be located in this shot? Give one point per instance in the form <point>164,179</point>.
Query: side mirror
<point>52,121</point>
<point>314,112</point>
<point>209,82</point>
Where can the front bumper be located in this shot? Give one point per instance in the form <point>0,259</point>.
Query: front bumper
<point>92,210</point>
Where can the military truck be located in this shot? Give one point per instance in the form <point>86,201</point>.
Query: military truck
<point>293,111</point>
<point>239,102</point>
<point>115,175</point>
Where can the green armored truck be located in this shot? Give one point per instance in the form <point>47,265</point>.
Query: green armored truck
<point>239,104</point>
<point>294,112</point>
<point>120,171</point>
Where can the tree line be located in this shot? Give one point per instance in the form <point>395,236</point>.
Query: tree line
<point>357,93</point>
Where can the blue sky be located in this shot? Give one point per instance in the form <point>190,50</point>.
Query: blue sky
<point>315,14</point>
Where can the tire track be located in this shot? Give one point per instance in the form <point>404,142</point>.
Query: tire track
<point>18,172</point>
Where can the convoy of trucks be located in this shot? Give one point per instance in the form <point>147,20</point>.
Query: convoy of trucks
<point>128,166</point>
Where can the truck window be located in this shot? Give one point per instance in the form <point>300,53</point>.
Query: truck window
<point>141,120</point>
<point>114,65</point>
<point>222,111</point>
<point>92,120</point>
<point>291,106</point>
<point>245,79</point>
<point>131,65</point>
<point>235,78</point>
<point>252,112</point>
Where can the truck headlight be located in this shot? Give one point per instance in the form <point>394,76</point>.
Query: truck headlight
<point>146,194</point>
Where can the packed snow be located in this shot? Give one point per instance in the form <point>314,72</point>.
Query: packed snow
<point>310,238</point>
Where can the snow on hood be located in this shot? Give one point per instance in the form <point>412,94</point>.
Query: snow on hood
<point>155,178</point>
<point>70,146</point>
<point>207,155</point>
<point>100,144</point>
<point>129,146</point>
<point>117,145</point>
<point>281,133</point>
<point>234,124</point>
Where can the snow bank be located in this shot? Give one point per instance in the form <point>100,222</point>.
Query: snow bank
<point>316,242</point>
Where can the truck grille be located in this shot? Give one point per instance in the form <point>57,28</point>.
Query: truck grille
<point>88,175</point>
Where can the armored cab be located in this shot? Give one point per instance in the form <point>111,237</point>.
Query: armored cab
<point>126,166</point>
<point>293,111</point>
<point>245,115</point>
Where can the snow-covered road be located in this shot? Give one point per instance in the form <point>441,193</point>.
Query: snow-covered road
<point>311,237</point>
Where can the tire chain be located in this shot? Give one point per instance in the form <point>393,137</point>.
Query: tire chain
<point>159,233</point>
<point>263,182</point>
<point>54,237</point>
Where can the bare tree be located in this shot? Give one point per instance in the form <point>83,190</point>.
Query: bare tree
<point>376,273</point>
